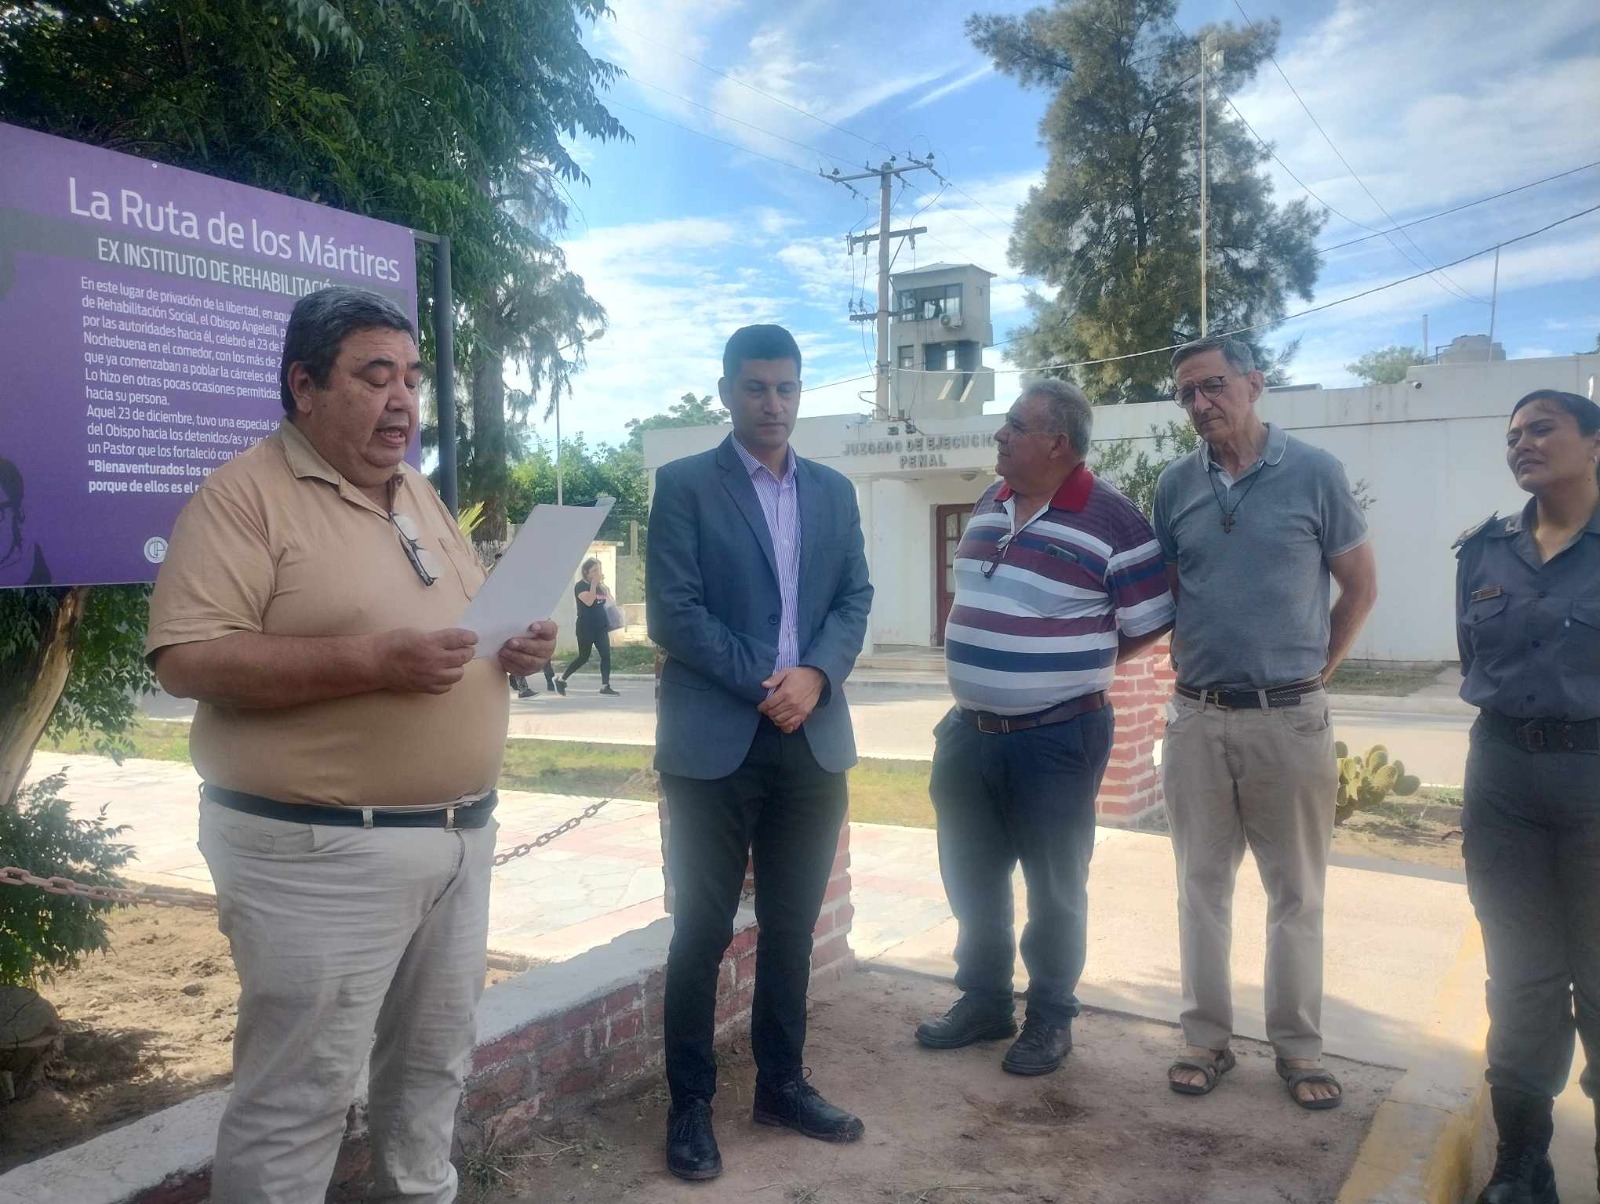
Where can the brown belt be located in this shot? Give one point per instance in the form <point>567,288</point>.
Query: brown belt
<point>1252,700</point>
<point>988,721</point>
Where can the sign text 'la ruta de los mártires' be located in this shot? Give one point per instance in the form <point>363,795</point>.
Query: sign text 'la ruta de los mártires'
<point>134,211</point>
<point>142,310</point>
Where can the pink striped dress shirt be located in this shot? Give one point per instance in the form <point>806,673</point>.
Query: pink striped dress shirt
<point>781,506</point>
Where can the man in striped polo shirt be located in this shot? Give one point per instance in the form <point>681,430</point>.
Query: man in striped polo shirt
<point>1058,577</point>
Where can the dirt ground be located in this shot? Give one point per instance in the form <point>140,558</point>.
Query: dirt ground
<point>148,1025</point>
<point>952,1128</point>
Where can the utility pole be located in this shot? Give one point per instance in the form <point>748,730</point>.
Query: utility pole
<point>884,173</point>
<point>1206,52</point>
<point>1494,300</point>
<point>1204,191</point>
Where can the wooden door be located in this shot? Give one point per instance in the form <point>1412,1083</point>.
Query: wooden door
<point>948,524</point>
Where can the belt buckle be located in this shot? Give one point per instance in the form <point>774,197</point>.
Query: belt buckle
<point>1216,700</point>
<point>449,819</point>
<point>1531,737</point>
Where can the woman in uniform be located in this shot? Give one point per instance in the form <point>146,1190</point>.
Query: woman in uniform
<point>1528,624</point>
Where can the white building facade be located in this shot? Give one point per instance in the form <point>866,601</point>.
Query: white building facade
<point>1430,450</point>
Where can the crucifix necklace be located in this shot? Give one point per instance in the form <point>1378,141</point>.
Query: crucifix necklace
<point>1228,515</point>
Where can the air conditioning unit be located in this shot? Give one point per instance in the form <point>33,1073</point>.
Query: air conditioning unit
<point>950,321</point>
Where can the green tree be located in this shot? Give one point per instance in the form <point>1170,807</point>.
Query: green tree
<point>688,410</point>
<point>1113,229</point>
<point>1135,470</point>
<point>1386,366</point>
<point>587,472</point>
<point>444,115</point>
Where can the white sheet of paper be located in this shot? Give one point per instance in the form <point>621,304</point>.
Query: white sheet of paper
<point>528,579</point>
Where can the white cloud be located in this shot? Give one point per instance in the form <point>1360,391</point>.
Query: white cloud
<point>954,86</point>
<point>1455,100</point>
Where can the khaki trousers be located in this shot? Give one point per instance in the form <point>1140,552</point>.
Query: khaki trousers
<point>1265,778</point>
<point>341,935</point>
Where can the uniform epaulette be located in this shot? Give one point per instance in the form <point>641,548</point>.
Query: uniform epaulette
<point>1472,533</point>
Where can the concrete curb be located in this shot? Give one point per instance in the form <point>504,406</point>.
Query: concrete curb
<point>1420,1147</point>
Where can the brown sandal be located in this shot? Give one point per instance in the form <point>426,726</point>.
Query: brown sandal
<point>1295,1076</point>
<point>1214,1068</point>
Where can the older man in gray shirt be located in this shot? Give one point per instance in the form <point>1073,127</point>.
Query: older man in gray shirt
<point>1253,524</point>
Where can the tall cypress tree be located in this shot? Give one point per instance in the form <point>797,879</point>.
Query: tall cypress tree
<point>1113,229</point>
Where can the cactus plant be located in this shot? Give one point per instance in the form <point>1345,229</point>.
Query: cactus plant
<point>1365,781</point>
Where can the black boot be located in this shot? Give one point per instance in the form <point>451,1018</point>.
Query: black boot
<point>1522,1170</point>
<point>796,1104</point>
<point>691,1145</point>
<point>967,1022</point>
<point>1040,1049</point>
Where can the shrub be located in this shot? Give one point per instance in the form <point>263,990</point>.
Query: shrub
<point>40,932</point>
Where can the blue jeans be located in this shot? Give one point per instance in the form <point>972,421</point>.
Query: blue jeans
<point>1023,796</point>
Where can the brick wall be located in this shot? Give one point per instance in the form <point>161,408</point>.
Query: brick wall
<point>1132,785</point>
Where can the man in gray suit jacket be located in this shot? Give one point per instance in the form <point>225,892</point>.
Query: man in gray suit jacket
<point>757,592</point>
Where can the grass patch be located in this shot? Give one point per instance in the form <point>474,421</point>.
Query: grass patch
<point>152,739</point>
<point>1370,679</point>
<point>881,791</point>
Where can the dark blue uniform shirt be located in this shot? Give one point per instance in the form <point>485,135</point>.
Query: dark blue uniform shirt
<point>1529,631</point>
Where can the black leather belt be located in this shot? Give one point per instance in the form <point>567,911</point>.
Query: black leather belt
<point>987,721</point>
<point>1252,700</point>
<point>468,815</point>
<point>1543,735</point>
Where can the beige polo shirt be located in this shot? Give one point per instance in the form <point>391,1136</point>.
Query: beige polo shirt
<point>277,542</point>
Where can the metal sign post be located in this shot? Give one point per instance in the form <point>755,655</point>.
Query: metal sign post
<point>444,375</point>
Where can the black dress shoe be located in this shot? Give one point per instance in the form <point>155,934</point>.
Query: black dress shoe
<point>691,1145</point>
<point>1040,1048</point>
<point>797,1105</point>
<point>966,1023</point>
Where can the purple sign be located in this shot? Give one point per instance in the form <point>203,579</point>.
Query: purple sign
<point>142,311</point>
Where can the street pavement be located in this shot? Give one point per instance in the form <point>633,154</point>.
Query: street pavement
<point>895,719</point>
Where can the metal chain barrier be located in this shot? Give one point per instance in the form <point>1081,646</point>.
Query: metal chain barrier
<point>13,876</point>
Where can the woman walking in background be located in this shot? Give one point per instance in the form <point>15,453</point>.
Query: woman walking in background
<point>1528,623</point>
<point>593,630</point>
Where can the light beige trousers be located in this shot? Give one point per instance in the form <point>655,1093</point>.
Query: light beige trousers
<point>341,935</point>
<point>1266,779</point>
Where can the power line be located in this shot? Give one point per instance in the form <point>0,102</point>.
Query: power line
<point>1467,205</point>
<point>1266,146</point>
<point>872,142</point>
<point>1112,359</point>
<point>1367,292</point>
<point>1340,156</point>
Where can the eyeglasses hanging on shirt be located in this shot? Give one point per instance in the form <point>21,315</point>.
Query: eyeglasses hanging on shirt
<point>1000,549</point>
<point>422,560</point>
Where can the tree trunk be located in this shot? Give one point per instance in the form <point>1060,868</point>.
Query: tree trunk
<point>489,475</point>
<point>29,699</point>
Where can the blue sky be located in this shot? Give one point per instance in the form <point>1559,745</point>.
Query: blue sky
<point>714,216</point>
